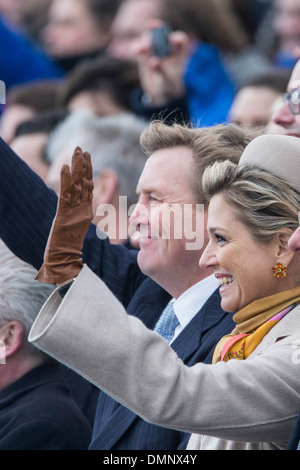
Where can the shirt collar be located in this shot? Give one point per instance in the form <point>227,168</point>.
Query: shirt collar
<point>193,299</point>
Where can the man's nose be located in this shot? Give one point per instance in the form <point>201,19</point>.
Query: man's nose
<point>283,115</point>
<point>139,214</point>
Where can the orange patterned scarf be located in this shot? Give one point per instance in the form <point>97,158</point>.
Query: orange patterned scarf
<point>253,322</point>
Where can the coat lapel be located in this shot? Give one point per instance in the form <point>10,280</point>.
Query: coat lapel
<point>190,339</point>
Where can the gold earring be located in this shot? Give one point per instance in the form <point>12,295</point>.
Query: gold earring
<point>279,270</point>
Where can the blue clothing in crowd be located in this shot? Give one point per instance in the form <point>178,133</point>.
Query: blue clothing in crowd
<point>210,91</point>
<point>21,61</point>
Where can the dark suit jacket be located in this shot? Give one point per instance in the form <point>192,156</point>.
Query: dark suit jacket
<point>27,208</point>
<point>294,442</point>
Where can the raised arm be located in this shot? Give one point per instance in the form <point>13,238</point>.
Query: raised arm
<point>256,400</point>
<point>27,210</point>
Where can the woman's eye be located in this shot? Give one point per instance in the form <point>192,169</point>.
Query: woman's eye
<point>219,239</point>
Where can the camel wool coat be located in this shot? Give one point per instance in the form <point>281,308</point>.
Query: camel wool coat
<point>250,404</point>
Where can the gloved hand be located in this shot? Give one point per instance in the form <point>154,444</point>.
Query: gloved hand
<point>62,257</point>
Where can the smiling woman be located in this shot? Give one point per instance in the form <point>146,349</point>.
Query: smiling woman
<point>252,214</point>
<point>251,217</point>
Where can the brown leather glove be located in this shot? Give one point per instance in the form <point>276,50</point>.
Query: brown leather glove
<point>62,258</point>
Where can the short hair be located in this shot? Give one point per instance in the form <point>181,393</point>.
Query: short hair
<point>112,141</point>
<point>21,296</point>
<point>213,21</point>
<point>103,11</point>
<point>264,202</point>
<point>115,77</point>
<point>39,95</point>
<point>44,121</point>
<point>274,78</point>
<point>208,144</point>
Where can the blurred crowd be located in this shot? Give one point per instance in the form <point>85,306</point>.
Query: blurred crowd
<point>88,73</point>
<point>228,61</point>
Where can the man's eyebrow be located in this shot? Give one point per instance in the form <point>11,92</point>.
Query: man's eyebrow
<point>149,190</point>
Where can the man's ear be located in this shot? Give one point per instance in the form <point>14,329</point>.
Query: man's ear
<point>105,187</point>
<point>284,255</point>
<point>11,336</point>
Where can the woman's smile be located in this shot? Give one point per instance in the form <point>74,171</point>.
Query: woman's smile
<point>225,281</point>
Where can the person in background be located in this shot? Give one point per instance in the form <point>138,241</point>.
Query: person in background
<point>77,30</point>
<point>287,115</point>
<point>118,160</point>
<point>26,16</point>
<point>125,28</point>
<point>32,18</point>
<point>32,136</point>
<point>24,102</point>
<point>21,61</point>
<point>10,11</point>
<point>255,102</point>
<point>37,411</point>
<point>103,85</point>
<point>194,68</point>
<point>286,26</point>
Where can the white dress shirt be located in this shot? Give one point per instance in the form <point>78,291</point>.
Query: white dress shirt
<point>192,300</point>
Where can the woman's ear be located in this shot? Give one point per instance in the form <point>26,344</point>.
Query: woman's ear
<point>284,255</point>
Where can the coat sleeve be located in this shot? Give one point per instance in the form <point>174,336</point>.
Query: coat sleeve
<point>27,210</point>
<point>252,400</point>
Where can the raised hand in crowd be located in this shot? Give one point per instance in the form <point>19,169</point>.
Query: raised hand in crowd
<point>161,77</point>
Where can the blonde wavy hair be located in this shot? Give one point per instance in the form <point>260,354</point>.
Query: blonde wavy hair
<point>263,202</point>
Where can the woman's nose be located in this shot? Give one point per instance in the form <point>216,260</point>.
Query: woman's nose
<point>208,258</point>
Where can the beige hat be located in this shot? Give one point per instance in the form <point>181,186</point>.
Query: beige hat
<point>277,154</point>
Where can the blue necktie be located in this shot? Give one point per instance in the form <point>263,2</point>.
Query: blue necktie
<point>167,322</point>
